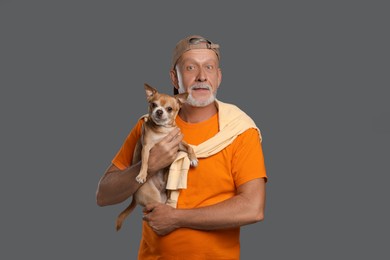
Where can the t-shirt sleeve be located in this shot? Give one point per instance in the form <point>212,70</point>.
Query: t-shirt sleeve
<point>124,156</point>
<point>248,160</point>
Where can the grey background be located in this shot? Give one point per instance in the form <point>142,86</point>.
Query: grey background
<point>314,75</point>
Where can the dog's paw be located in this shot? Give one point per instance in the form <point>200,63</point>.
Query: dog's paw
<point>140,179</point>
<point>194,162</point>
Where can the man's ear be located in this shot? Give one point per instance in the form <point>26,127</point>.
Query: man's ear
<point>174,79</point>
<point>219,76</point>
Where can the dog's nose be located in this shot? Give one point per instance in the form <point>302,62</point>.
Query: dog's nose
<point>159,112</point>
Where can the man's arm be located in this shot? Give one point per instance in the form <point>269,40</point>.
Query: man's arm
<point>246,207</point>
<point>117,185</point>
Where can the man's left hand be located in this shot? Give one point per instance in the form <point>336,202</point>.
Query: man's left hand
<point>160,218</point>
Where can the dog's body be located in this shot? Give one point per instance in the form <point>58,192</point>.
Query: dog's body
<point>163,110</point>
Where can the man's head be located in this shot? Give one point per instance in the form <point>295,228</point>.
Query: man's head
<point>195,69</point>
<point>190,43</point>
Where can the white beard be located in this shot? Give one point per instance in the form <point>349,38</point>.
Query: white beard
<point>197,103</point>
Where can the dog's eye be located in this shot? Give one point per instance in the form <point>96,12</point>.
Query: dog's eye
<point>154,105</point>
<point>169,109</point>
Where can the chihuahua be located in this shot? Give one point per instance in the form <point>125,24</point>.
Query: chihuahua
<point>160,120</point>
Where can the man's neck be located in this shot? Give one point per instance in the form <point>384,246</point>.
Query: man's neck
<point>194,115</point>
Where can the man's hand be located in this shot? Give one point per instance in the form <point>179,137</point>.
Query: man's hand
<point>164,152</point>
<point>160,218</point>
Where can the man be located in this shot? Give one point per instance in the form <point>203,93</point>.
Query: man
<point>224,192</point>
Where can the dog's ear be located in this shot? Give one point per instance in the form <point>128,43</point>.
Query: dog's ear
<point>150,91</point>
<point>182,98</point>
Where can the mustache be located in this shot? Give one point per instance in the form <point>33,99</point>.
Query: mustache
<point>200,86</point>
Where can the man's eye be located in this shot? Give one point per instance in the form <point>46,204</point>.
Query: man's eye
<point>190,67</point>
<point>209,67</point>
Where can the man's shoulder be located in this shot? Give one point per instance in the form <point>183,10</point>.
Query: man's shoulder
<point>225,105</point>
<point>230,108</point>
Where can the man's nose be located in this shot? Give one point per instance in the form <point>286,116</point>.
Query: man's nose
<point>201,76</point>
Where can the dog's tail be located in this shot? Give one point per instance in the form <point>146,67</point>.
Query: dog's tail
<point>124,214</point>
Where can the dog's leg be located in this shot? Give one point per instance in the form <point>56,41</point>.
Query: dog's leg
<point>143,173</point>
<point>183,146</point>
<point>137,152</point>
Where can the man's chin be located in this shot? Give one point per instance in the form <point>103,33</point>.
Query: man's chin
<point>200,103</point>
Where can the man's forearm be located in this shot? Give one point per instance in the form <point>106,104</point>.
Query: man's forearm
<point>234,212</point>
<point>244,208</point>
<point>116,185</point>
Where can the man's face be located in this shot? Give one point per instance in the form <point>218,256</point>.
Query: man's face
<point>198,73</point>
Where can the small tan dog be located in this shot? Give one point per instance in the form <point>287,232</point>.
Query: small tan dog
<point>160,120</point>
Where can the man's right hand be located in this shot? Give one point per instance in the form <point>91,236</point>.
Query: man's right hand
<point>164,152</point>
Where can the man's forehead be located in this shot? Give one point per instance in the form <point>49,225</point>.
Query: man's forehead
<point>199,55</point>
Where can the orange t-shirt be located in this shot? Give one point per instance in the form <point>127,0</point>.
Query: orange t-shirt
<point>215,179</point>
